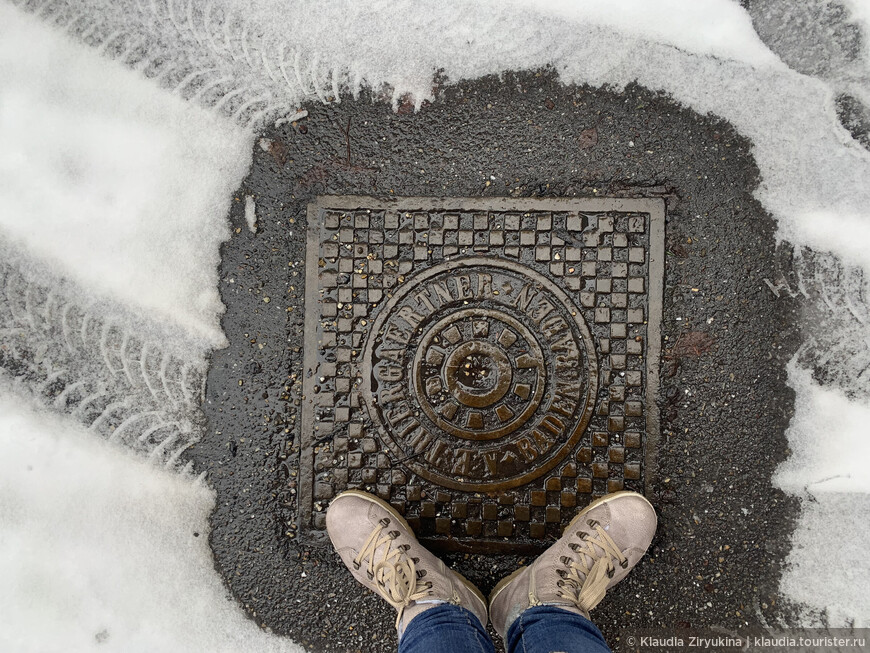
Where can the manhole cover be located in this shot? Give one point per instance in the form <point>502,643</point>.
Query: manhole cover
<point>487,366</point>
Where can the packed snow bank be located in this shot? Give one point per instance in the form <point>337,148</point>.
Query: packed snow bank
<point>123,187</point>
<point>827,566</point>
<point>829,442</point>
<point>718,28</point>
<point>101,551</point>
<point>860,12</point>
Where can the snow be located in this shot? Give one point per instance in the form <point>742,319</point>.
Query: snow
<point>829,443</point>
<point>124,187</point>
<point>826,230</point>
<point>827,468</point>
<point>718,28</point>
<point>100,551</point>
<point>829,544</point>
<point>251,213</point>
<point>860,11</point>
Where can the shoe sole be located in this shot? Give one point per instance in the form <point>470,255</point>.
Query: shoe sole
<point>395,515</point>
<point>504,582</point>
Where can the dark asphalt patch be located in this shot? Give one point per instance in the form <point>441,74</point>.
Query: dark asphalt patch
<point>724,531</point>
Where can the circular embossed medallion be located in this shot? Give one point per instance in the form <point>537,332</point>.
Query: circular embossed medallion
<point>481,374</point>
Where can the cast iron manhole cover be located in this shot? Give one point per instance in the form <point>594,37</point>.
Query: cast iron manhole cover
<point>487,366</point>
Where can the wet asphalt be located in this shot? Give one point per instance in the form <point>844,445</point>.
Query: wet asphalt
<point>724,531</point>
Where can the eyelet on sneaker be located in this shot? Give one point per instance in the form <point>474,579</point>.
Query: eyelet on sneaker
<point>562,574</point>
<point>370,575</point>
<point>582,535</point>
<point>356,565</point>
<point>592,523</point>
<point>416,560</point>
<point>565,560</point>
<point>394,535</point>
<point>624,564</point>
<point>385,521</point>
<point>574,547</point>
<point>421,573</point>
<point>610,572</point>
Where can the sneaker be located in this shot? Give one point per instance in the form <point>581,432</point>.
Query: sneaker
<point>596,551</point>
<point>380,550</point>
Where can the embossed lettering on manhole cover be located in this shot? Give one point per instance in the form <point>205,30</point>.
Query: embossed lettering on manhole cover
<point>487,366</point>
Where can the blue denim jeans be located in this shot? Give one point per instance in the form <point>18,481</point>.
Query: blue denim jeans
<point>448,628</point>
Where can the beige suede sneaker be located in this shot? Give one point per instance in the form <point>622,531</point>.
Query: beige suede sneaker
<point>597,550</point>
<point>380,550</point>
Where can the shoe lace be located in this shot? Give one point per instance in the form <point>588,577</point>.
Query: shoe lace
<point>589,573</point>
<point>392,570</point>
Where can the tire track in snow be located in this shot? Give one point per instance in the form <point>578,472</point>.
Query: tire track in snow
<point>835,316</point>
<point>130,379</point>
<point>204,52</point>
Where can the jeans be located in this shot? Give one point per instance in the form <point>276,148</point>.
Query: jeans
<point>448,628</point>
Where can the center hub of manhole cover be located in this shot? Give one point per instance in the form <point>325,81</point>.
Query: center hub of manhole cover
<point>487,366</point>
<point>485,370</point>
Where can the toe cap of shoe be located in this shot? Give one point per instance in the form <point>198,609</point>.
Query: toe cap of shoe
<point>630,520</point>
<point>350,519</point>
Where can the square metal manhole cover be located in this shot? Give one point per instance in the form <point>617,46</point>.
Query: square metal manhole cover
<point>487,366</point>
